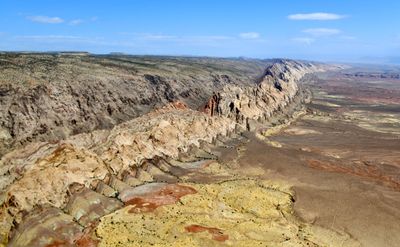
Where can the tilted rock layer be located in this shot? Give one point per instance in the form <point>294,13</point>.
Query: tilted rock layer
<point>52,164</point>
<point>44,176</point>
<point>50,97</point>
<point>276,89</point>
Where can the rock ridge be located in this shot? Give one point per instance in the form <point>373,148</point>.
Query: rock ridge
<point>47,97</point>
<point>160,147</point>
<point>279,86</point>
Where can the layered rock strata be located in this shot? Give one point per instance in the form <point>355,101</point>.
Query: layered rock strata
<point>47,97</point>
<point>91,175</point>
<point>275,91</point>
<point>43,173</point>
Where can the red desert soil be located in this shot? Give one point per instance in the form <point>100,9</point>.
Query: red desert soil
<point>87,239</point>
<point>216,233</point>
<point>57,244</point>
<point>368,171</point>
<point>169,194</point>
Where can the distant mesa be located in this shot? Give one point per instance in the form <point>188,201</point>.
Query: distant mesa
<point>118,53</point>
<point>77,53</point>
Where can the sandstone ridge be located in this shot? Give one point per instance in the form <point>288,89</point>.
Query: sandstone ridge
<point>47,97</point>
<point>70,183</point>
<point>276,89</point>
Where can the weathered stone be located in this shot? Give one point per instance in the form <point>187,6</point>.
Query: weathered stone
<point>44,172</point>
<point>106,190</point>
<point>132,181</point>
<point>87,206</point>
<point>230,213</point>
<point>147,198</point>
<point>50,97</point>
<point>46,226</point>
<point>117,184</point>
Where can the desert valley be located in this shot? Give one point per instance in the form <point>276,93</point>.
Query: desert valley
<point>209,152</point>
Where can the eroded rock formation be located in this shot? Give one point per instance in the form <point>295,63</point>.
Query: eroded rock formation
<point>50,97</point>
<point>86,157</point>
<point>90,175</point>
<point>276,89</point>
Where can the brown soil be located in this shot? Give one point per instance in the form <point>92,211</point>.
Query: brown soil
<point>345,177</point>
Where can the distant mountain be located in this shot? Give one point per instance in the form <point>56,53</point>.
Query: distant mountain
<point>380,60</point>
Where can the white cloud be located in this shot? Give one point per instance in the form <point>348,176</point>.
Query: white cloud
<point>304,40</point>
<point>76,22</point>
<point>58,20</point>
<point>322,31</point>
<point>319,16</point>
<point>45,19</point>
<point>250,35</point>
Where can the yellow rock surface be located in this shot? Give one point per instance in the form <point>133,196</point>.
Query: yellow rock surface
<point>231,213</point>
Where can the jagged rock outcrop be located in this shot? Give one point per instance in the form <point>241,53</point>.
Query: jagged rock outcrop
<point>50,97</point>
<point>276,89</point>
<point>165,132</point>
<point>44,173</point>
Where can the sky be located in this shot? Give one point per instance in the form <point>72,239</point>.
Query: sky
<point>327,30</point>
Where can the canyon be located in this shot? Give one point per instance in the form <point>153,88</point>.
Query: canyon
<point>176,151</point>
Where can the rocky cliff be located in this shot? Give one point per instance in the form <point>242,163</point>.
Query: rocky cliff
<point>45,173</point>
<point>74,172</point>
<point>50,97</point>
<point>277,88</point>
<point>87,157</point>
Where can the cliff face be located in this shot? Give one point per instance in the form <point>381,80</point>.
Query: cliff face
<point>165,132</point>
<point>276,89</point>
<point>144,149</point>
<point>50,97</point>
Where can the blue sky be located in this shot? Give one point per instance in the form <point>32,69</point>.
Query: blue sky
<point>342,30</point>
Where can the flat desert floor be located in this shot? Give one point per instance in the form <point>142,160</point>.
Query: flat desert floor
<point>342,159</point>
